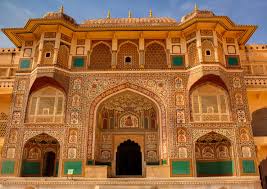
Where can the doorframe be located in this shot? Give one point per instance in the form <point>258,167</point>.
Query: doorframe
<point>44,163</point>
<point>120,138</point>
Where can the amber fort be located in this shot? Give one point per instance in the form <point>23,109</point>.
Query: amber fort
<point>136,103</point>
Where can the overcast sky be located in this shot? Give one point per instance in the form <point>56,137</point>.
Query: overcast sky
<point>15,13</point>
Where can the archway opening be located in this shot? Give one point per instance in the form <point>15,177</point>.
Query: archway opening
<point>128,159</point>
<point>49,164</point>
<point>263,173</point>
<point>126,114</point>
<point>40,157</point>
<point>213,155</point>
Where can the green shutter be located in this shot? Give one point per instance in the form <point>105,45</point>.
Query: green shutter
<point>248,166</point>
<point>57,166</point>
<point>90,162</point>
<point>217,168</point>
<point>75,165</point>
<point>178,61</point>
<point>25,64</point>
<point>180,168</point>
<point>31,168</point>
<point>78,62</point>
<point>164,162</point>
<point>8,167</point>
<point>232,61</point>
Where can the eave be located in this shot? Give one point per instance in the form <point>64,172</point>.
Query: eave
<point>245,31</point>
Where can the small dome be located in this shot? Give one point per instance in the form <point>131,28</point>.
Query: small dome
<point>59,15</point>
<point>198,14</point>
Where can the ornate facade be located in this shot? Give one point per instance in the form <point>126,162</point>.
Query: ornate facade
<point>143,98</point>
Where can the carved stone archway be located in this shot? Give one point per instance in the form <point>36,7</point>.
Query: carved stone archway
<point>120,88</point>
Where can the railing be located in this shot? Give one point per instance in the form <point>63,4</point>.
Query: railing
<point>256,82</point>
<point>6,83</point>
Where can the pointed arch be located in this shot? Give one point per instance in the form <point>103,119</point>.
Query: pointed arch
<point>100,56</point>
<point>128,49</point>
<point>48,53</point>
<point>46,104</point>
<point>118,89</point>
<point>208,52</point>
<point>215,151</point>
<point>40,156</point>
<point>192,54</point>
<point>155,55</point>
<point>63,55</point>
<point>209,102</point>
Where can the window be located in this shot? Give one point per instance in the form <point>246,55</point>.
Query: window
<point>209,104</point>
<point>127,59</point>
<point>46,105</point>
<point>208,53</point>
<point>48,55</point>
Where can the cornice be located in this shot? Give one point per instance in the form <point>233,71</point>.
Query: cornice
<point>52,69</point>
<point>224,21</point>
<point>129,181</point>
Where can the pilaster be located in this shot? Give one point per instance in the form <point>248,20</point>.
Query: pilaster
<point>199,49</point>
<point>168,51</point>
<point>215,40</point>
<point>57,44</point>
<point>41,45</point>
<point>114,52</point>
<point>72,49</point>
<point>141,52</point>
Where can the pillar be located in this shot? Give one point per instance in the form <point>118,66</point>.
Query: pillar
<point>199,49</point>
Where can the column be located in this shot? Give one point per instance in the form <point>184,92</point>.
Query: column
<point>114,52</point>
<point>184,51</point>
<point>87,51</point>
<point>141,51</point>
<point>72,50</point>
<point>168,51</point>
<point>41,45</point>
<point>199,49</point>
<point>57,44</point>
<point>215,47</point>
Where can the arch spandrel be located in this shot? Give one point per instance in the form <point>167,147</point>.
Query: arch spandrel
<point>228,133</point>
<point>58,135</point>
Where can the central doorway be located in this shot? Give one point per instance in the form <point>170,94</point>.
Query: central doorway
<point>128,159</point>
<point>49,164</point>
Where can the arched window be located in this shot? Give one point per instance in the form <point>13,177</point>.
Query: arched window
<point>209,103</point>
<point>155,56</point>
<point>214,155</point>
<point>63,56</point>
<point>46,105</point>
<point>48,53</point>
<point>192,54</point>
<point>128,56</point>
<point>208,51</point>
<point>100,57</point>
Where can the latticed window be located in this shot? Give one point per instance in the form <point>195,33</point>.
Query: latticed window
<point>46,105</point>
<point>209,104</point>
<point>3,124</point>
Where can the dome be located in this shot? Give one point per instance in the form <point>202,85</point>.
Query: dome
<point>197,14</point>
<point>59,15</point>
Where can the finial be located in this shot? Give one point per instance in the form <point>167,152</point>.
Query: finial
<point>61,9</point>
<point>196,7</point>
<point>129,14</point>
<point>108,16</point>
<point>150,13</point>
